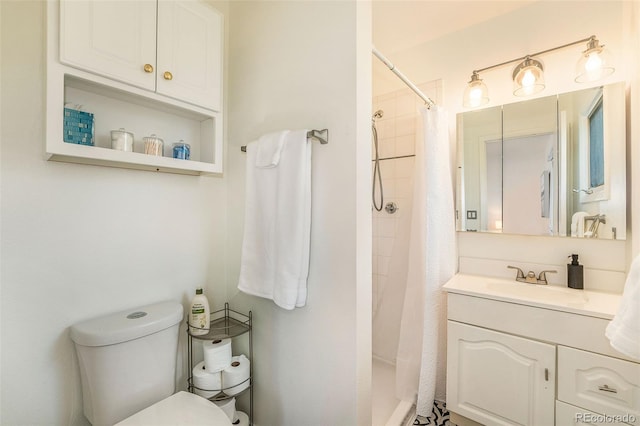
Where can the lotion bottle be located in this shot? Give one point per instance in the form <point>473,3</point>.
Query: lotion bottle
<point>199,314</point>
<point>575,273</point>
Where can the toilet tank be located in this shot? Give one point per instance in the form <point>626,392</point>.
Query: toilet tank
<point>127,360</point>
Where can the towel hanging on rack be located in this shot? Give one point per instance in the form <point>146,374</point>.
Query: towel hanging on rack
<point>277,224</point>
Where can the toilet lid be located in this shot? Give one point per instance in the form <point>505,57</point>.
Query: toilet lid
<point>182,408</point>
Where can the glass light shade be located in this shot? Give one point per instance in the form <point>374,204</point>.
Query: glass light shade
<point>476,93</point>
<point>594,64</point>
<point>528,78</point>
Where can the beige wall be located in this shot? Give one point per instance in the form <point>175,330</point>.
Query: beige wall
<point>296,65</point>
<point>80,241</point>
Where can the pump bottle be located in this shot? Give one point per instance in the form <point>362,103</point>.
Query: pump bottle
<point>575,273</point>
<point>199,314</point>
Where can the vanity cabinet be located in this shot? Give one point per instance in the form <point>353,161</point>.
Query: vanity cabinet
<point>150,67</point>
<point>173,48</point>
<point>519,354</point>
<point>496,378</point>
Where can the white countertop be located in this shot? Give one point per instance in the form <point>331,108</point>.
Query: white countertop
<point>581,302</point>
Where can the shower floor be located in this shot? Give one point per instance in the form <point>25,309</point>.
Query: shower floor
<point>383,398</point>
<point>384,403</point>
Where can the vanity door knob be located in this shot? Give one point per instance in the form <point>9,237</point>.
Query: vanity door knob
<point>148,68</point>
<point>167,75</point>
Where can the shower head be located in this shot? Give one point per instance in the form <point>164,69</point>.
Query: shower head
<point>378,114</point>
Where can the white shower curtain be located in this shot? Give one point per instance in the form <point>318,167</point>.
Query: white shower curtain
<point>421,358</point>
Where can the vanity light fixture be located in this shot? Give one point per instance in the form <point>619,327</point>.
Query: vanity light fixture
<point>476,93</point>
<point>528,75</point>
<point>595,62</point>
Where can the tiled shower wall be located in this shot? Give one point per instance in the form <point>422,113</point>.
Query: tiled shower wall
<point>396,138</point>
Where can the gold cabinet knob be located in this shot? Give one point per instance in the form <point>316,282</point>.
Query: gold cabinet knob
<point>148,68</point>
<point>168,76</point>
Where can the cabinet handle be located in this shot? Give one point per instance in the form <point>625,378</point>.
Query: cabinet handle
<point>606,388</point>
<point>546,374</point>
<point>168,76</point>
<point>148,68</point>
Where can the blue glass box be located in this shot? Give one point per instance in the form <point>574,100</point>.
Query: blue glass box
<point>78,127</point>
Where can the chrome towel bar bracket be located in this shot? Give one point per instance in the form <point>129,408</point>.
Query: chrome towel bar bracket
<point>321,136</point>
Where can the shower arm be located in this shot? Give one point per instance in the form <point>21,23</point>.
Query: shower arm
<point>427,100</point>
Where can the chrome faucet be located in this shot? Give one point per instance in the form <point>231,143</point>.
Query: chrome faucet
<point>530,278</point>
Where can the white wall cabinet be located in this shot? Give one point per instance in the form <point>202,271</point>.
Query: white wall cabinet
<point>190,53</point>
<point>149,67</point>
<point>499,379</point>
<point>110,38</point>
<point>172,47</point>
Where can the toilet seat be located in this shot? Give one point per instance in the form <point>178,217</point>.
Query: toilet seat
<point>182,408</point>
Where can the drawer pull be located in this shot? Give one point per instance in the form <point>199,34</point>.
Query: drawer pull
<point>606,388</point>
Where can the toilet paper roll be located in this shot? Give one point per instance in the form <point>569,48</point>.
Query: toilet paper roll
<point>235,378</point>
<point>206,384</point>
<point>217,354</point>
<point>243,419</point>
<point>229,408</point>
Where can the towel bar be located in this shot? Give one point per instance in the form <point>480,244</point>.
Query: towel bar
<point>321,136</point>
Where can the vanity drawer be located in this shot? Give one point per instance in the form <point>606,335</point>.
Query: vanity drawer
<point>599,383</point>
<point>570,415</point>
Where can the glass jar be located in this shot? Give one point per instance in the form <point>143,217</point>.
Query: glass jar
<point>181,150</point>
<point>122,140</point>
<point>153,145</point>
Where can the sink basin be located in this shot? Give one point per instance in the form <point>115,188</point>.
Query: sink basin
<point>542,293</point>
<point>584,302</point>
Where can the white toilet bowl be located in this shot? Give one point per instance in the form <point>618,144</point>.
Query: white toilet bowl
<point>182,408</point>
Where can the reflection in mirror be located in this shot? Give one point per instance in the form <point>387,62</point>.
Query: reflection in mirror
<point>548,166</point>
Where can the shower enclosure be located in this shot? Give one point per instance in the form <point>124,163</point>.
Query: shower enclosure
<point>396,126</point>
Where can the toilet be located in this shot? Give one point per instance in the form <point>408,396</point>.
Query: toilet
<point>128,366</point>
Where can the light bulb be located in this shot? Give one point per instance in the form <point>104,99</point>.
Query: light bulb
<point>528,79</point>
<point>475,95</point>
<point>594,63</point>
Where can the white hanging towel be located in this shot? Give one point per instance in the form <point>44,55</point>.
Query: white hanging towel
<point>277,223</point>
<point>269,148</point>
<point>623,331</point>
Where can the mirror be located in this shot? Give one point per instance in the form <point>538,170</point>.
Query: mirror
<point>547,166</point>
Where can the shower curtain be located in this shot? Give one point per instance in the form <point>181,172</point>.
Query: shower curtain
<point>421,357</point>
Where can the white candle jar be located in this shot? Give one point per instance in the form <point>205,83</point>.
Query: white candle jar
<point>122,140</point>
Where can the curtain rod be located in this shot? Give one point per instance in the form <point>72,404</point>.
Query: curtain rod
<point>427,100</point>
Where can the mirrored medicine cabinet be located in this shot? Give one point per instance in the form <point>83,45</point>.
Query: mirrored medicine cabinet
<point>548,166</point>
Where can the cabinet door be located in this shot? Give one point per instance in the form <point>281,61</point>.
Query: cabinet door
<point>190,52</point>
<point>499,379</point>
<point>111,38</point>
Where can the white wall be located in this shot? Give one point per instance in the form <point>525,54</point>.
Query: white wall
<point>296,65</point>
<point>79,241</point>
<point>535,27</point>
